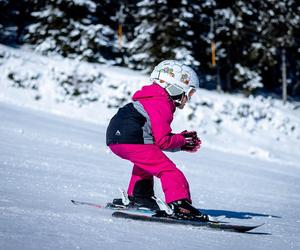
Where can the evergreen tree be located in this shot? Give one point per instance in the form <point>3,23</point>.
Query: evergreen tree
<point>249,36</point>
<point>15,16</point>
<point>76,29</point>
<point>161,33</point>
<point>279,25</point>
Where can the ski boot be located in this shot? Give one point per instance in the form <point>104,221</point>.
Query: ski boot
<point>141,198</point>
<point>135,202</point>
<point>183,209</point>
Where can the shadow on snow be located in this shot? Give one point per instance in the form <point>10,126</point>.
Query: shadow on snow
<point>236,215</point>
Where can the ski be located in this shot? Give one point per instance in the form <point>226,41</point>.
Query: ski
<point>110,205</point>
<point>211,224</point>
<point>125,204</point>
<point>84,203</point>
<point>129,209</point>
<point>143,214</point>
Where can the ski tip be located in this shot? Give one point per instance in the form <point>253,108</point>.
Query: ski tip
<point>256,226</point>
<point>75,202</point>
<point>260,225</point>
<point>246,229</point>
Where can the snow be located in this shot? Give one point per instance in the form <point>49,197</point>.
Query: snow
<point>90,4</point>
<point>53,150</point>
<point>253,79</point>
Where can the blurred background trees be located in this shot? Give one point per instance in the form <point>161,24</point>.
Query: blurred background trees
<point>235,45</point>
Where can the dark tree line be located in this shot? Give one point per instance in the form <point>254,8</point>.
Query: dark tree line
<point>248,36</point>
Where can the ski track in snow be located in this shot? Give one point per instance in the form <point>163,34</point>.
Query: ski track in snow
<point>46,161</point>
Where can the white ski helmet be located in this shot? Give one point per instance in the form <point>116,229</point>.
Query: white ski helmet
<point>176,78</point>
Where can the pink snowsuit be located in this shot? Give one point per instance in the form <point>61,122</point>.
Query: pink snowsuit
<point>148,159</point>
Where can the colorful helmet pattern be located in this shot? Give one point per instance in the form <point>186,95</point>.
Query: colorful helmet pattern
<point>175,77</point>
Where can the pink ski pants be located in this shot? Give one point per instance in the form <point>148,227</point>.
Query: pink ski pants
<point>149,161</point>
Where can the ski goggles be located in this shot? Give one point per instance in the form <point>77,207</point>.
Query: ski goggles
<point>175,90</point>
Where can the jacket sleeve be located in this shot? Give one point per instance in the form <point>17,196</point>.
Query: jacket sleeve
<point>161,128</point>
<point>172,141</point>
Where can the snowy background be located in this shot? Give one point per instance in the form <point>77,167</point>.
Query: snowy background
<point>54,113</point>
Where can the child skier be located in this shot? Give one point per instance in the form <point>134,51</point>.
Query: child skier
<point>140,132</point>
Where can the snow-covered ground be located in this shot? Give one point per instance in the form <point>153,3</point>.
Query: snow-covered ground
<point>47,160</point>
<point>247,170</point>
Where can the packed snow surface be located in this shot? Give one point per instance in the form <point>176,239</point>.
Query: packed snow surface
<point>47,160</point>
<point>52,150</point>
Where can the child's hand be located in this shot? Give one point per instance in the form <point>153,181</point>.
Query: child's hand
<point>189,134</point>
<point>192,142</point>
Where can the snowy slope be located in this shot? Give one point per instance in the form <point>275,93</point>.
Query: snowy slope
<point>46,160</point>
<point>255,126</point>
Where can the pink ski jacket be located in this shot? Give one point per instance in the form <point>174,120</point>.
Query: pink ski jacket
<point>160,108</point>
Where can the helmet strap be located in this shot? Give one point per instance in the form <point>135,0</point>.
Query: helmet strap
<point>179,104</point>
<point>177,97</point>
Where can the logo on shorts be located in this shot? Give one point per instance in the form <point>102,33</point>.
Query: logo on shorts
<point>118,133</point>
